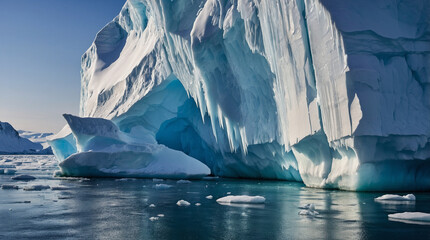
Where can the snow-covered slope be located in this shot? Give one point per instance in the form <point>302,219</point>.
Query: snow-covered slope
<point>36,137</point>
<point>11,142</point>
<point>334,93</point>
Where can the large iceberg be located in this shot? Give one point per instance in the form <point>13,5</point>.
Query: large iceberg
<point>334,93</point>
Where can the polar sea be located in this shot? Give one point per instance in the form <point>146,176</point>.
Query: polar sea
<point>108,208</point>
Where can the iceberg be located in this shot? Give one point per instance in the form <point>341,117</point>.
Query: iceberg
<point>335,94</point>
<point>103,150</point>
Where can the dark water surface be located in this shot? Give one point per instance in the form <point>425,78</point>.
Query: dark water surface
<point>112,209</point>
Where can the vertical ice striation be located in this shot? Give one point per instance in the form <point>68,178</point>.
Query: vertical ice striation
<point>332,93</point>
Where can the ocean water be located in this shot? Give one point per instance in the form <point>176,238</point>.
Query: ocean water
<point>112,209</point>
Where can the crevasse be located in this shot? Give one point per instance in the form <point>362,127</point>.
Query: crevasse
<point>332,93</point>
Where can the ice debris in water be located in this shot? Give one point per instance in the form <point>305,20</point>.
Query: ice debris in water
<point>393,197</point>
<point>153,219</point>
<point>242,199</point>
<point>23,177</point>
<point>308,209</point>
<point>36,187</point>
<point>209,197</point>
<point>160,215</point>
<point>152,205</point>
<point>183,181</point>
<point>9,186</point>
<point>125,179</point>
<point>198,204</point>
<point>411,216</point>
<point>183,203</point>
<point>162,186</point>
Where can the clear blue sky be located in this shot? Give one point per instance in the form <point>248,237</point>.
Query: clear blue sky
<point>41,44</point>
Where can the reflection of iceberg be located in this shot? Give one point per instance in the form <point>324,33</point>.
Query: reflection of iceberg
<point>411,217</point>
<point>103,150</point>
<point>332,93</point>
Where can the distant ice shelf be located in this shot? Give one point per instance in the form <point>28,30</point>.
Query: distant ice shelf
<point>334,93</point>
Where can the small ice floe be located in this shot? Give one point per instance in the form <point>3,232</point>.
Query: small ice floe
<point>183,181</point>
<point>228,193</point>
<point>157,180</point>
<point>411,217</point>
<point>153,219</point>
<point>9,171</point>
<point>183,203</point>
<point>125,179</point>
<point>162,186</point>
<point>9,186</point>
<point>393,197</point>
<point>59,188</point>
<point>308,210</point>
<point>160,215</point>
<point>242,199</point>
<point>23,177</point>
<point>198,204</point>
<point>36,187</point>
<point>152,205</point>
<point>209,197</point>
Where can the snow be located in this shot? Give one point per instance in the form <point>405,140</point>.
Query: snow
<point>331,93</point>
<point>242,199</point>
<point>393,197</point>
<point>23,177</point>
<point>162,186</point>
<point>411,216</point>
<point>36,137</point>
<point>183,203</point>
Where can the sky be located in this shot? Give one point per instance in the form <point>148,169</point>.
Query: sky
<point>41,44</point>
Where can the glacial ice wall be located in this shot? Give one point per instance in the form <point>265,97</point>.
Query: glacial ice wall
<point>332,93</point>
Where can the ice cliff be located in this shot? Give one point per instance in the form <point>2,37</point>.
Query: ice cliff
<point>12,143</point>
<point>334,93</point>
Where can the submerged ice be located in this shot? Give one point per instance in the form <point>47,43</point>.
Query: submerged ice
<point>332,93</point>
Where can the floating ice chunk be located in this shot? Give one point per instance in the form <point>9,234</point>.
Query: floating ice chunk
<point>23,177</point>
<point>308,209</point>
<point>157,180</point>
<point>162,186</point>
<point>209,197</point>
<point>228,193</point>
<point>9,186</point>
<point>160,215</point>
<point>410,217</point>
<point>183,181</point>
<point>183,203</point>
<point>393,197</point>
<point>152,205</point>
<point>36,187</point>
<point>125,179</point>
<point>308,212</point>
<point>242,199</point>
<point>9,171</point>
<point>153,219</point>
<point>198,204</point>
<point>309,206</point>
